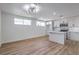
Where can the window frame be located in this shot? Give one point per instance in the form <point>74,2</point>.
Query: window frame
<point>17,20</point>
<point>40,23</point>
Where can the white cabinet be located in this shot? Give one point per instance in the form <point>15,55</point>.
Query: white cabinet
<point>74,36</point>
<point>58,37</point>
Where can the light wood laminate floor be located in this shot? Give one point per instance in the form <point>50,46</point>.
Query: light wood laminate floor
<point>40,46</point>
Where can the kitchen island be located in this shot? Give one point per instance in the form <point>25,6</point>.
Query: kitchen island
<point>74,34</point>
<point>57,36</point>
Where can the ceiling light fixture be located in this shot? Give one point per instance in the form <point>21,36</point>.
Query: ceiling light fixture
<point>31,8</point>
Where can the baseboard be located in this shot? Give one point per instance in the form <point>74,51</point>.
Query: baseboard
<point>25,39</point>
<point>38,36</point>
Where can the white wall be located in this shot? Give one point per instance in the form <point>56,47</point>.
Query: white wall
<point>73,20</point>
<point>0,28</point>
<point>12,32</point>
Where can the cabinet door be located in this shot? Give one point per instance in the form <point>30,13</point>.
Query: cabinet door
<point>57,37</point>
<point>74,36</point>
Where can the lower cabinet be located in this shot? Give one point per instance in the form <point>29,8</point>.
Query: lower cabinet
<point>58,37</point>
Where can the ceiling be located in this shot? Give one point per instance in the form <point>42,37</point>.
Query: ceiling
<point>46,10</point>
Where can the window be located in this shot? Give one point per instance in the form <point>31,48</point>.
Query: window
<point>18,21</point>
<point>48,23</point>
<point>27,22</point>
<point>22,22</point>
<point>40,23</point>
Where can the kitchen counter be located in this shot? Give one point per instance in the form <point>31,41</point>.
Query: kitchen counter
<point>60,37</point>
<point>73,33</point>
<point>57,36</point>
